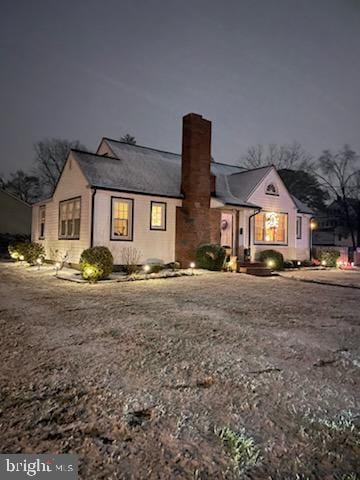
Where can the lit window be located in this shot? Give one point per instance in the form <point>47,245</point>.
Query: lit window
<point>271,189</point>
<point>271,227</point>
<point>42,215</point>
<point>69,219</point>
<point>298,227</point>
<point>122,218</point>
<point>158,216</point>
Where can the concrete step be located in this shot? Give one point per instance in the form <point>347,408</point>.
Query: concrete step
<point>251,264</point>
<point>257,271</point>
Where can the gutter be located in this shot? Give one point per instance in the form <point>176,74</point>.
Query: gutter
<point>92,216</point>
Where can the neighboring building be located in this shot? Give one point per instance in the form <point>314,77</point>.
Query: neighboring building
<point>15,215</point>
<point>165,204</point>
<point>332,232</point>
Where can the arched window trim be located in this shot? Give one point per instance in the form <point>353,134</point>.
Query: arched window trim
<point>272,189</point>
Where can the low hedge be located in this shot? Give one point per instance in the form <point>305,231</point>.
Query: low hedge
<point>31,251</point>
<point>328,257</point>
<point>210,257</point>
<point>273,258</point>
<point>96,263</point>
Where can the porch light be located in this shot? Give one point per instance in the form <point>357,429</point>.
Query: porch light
<point>313,225</point>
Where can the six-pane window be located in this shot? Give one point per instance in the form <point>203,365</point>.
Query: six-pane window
<point>122,218</point>
<point>158,216</point>
<point>69,219</point>
<point>42,215</point>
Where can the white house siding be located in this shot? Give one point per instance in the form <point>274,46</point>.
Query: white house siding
<point>71,184</point>
<point>282,203</point>
<point>303,243</point>
<point>154,246</point>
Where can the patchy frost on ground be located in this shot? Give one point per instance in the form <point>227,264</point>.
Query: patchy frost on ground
<point>334,276</point>
<point>138,378</point>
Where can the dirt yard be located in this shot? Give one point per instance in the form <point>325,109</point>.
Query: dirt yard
<point>141,379</point>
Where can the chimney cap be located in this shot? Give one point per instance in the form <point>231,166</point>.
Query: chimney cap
<point>193,115</point>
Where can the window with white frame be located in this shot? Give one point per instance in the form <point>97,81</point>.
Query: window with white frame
<point>158,216</point>
<point>122,211</point>
<point>298,227</point>
<point>42,216</point>
<point>69,219</point>
<point>271,227</point>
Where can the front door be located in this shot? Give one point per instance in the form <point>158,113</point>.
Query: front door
<point>226,228</point>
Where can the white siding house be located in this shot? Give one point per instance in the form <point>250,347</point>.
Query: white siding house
<point>130,196</point>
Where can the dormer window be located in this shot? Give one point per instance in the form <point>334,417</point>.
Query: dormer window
<point>271,189</point>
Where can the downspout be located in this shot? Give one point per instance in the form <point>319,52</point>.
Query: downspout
<point>92,217</point>
<point>249,239</point>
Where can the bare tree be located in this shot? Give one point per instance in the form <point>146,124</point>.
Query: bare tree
<point>128,139</point>
<point>281,156</point>
<point>50,158</point>
<point>340,175</point>
<point>24,186</point>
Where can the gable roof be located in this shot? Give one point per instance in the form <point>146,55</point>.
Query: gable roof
<point>14,197</point>
<point>138,169</point>
<point>301,206</point>
<point>132,173</point>
<point>242,184</point>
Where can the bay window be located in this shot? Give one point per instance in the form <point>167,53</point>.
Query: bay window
<point>122,218</point>
<point>271,228</point>
<point>69,219</point>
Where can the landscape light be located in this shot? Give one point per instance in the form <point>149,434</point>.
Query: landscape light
<point>299,263</point>
<point>323,262</point>
<point>21,258</point>
<point>270,263</point>
<point>89,271</point>
<point>192,265</point>
<point>39,262</point>
<point>57,267</point>
<point>146,268</point>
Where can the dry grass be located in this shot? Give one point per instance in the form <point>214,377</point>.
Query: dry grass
<point>136,378</point>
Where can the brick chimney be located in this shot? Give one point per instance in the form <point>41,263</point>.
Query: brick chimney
<point>195,223</point>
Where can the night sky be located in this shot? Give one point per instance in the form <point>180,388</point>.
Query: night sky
<point>262,70</point>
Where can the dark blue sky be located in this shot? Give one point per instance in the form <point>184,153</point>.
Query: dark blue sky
<point>263,71</point>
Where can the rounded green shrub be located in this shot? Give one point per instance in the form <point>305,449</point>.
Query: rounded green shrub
<point>272,259</point>
<point>329,257</point>
<point>32,251</point>
<point>210,257</point>
<point>96,263</point>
